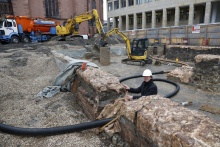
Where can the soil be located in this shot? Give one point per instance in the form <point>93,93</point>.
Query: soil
<point>26,69</point>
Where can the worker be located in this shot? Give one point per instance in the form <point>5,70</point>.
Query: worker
<point>147,87</point>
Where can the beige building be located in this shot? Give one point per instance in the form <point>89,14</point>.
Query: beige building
<point>144,14</point>
<point>57,9</point>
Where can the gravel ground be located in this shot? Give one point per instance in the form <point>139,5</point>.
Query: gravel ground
<point>25,71</point>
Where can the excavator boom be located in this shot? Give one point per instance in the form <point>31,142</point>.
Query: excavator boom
<point>72,25</point>
<point>123,36</point>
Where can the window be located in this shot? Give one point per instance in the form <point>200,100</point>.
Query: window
<point>170,15</point>
<point>52,9</point>
<point>123,3</point>
<point>5,7</point>
<point>131,20</point>
<point>8,24</point>
<point>139,19</point>
<point>130,2</point>
<point>184,13</point>
<point>9,7</point>
<point>148,17</point>
<point>14,24</point>
<point>116,4</point>
<point>93,4</point>
<point>158,17</point>
<point>1,8</point>
<point>138,2</point>
<point>110,6</point>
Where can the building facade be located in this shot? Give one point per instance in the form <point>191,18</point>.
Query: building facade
<point>144,14</point>
<point>57,9</point>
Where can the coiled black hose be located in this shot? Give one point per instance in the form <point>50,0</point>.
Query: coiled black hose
<point>73,128</point>
<point>163,80</point>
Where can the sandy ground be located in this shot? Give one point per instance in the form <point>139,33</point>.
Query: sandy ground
<point>26,69</point>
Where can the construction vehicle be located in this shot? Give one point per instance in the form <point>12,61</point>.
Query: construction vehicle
<point>136,50</point>
<point>71,27</point>
<point>17,29</point>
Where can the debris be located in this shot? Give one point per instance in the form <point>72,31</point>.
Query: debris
<point>157,63</point>
<point>211,109</point>
<point>49,91</point>
<point>182,74</point>
<point>102,128</point>
<point>186,103</point>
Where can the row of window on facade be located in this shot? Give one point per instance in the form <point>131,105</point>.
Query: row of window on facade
<point>123,3</point>
<point>184,15</point>
<point>5,8</point>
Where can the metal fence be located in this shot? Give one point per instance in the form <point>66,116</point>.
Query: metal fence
<point>188,35</point>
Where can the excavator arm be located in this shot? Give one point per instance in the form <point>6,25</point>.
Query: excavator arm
<point>72,25</point>
<point>123,36</point>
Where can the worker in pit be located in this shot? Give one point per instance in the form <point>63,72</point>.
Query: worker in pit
<point>147,87</point>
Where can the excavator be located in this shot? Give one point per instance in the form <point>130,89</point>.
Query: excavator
<point>71,27</point>
<point>136,50</point>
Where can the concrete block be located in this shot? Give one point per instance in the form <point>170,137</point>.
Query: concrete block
<point>105,55</point>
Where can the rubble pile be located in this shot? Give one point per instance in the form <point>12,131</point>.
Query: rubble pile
<point>94,89</point>
<point>187,53</point>
<point>157,121</point>
<point>207,72</point>
<point>181,74</point>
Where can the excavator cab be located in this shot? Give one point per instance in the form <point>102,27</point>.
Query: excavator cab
<point>139,47</point>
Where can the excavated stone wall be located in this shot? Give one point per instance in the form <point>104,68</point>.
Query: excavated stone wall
<point>206,73</point>
<point>148,121</point>
<point>94,89</point>
<point>159,122</point>
<point>188,53</point>
<point>156,121</point>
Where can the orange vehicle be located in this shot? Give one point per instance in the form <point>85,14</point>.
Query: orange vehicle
<point>34,24</point>
<point>17,29</point>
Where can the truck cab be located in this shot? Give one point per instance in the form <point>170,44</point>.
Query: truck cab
<point>8,31</point>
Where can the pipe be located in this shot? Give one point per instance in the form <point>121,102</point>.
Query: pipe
<point>163,80</point>
<point>167,60</point>
<point>53,131</point>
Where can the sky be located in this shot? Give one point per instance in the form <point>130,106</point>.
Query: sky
<point>104,10</point>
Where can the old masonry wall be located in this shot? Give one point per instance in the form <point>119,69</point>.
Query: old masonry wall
<point>148,121</point>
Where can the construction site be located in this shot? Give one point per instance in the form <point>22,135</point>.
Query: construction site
<point>60,86</point>
<point>26,69</point>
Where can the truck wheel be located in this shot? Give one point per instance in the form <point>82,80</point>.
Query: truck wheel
<point>15,40</point>
<point>26,39</point>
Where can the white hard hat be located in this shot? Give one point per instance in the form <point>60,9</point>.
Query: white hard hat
<point>147,72</point>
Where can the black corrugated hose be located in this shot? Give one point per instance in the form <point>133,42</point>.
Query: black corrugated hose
<point>78,127</point>
<point>162,80</point>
